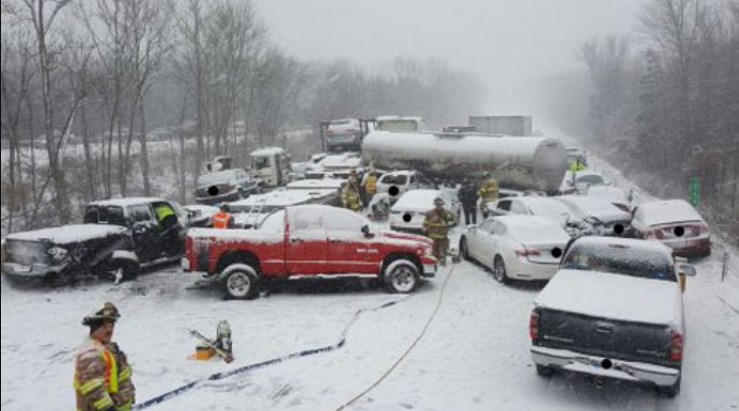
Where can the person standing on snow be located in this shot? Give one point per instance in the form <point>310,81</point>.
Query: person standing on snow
<point>102,377</point>
<point>468,197</point>
<point>436,226</point>
<point>489,191</point>
<point>223,218</point>
<point>350,195</point>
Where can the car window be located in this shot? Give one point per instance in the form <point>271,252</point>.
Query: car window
<point>344,221</point>
<point>518,208</point>
<point>306,219</point>
<point>504,205</point>
<point>140,213</point>
<point>591,179</point>
<point>487,226</point>
<point>499,228</point>
<point>274,222</point>
<point>618,259</point>
<point>111,215</point>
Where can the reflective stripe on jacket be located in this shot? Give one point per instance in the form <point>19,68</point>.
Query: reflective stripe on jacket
<point>101,381</point>
<point>437,224</point>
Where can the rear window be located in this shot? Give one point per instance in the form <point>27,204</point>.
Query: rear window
<point>395,179</point>
<point>104,215</point>
<point>619,259</point>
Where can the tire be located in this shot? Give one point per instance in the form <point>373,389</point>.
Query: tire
<point>669,391</point>
<point>124,270</point>
<point>544,371</point>
<point>464,250</point>
<point>401,276</point>
<point>499,270</point>
<point>240,282</point>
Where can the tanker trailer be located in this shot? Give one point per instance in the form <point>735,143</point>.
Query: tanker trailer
<point>525,163</point>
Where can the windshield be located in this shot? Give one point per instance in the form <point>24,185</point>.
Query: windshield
<point>399,179</point>
<point>216,178</point>
<point>617,259</point>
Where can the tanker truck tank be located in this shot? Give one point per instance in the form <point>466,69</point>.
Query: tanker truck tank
<point>527,163</point>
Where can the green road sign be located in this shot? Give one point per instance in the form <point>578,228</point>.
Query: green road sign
<point>695,191</point>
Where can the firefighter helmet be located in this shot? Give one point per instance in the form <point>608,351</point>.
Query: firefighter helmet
<point>107,312</point>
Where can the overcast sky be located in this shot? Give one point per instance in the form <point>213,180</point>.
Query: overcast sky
<point>511,44</point>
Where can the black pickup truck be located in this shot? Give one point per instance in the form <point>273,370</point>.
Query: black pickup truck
<point>117,238</point>
<point>613,310</point>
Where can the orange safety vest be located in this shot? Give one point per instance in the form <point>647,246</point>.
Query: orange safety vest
<point>221,220</point>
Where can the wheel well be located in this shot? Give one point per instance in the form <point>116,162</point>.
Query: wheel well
<point>397,256</point>
<point>238,256</point>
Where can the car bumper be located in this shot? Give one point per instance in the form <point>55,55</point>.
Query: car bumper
<point>29,271</point>
<point>532,271</point>
<point>690,247</point>
<point>429,269</point>
<point>592,365</point>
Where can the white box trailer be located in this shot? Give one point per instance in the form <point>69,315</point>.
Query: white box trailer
<point>507,125</point>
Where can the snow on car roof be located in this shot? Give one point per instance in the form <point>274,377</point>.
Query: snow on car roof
<point>420,200</point>
<point>267,151</point>
<point>282,198</point>
<point>594,206</point>
<point>533,228</point>
<point>68,233</point>
<point>667,211</point>
<point>543,205</point>
<point>612,296</point>
<point>324,183</point>
<point>123,202</point>
<point>649,245</point>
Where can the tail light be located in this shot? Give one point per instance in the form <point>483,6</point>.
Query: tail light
<point>676,346</point>
<point>525,252</point>
<point>703,229</point>
<point>534,326</point>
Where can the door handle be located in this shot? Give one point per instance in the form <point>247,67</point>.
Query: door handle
<point>334,240</point>
<point>296,240</point>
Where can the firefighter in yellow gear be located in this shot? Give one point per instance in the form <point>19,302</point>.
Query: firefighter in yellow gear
<point>436,226</point>
<point>102,377</point>
<point>350,196</point>
<point>577,165</point>
<point>488,191</point>
<point>370,187</point>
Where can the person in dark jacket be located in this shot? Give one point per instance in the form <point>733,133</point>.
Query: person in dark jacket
<point>468,197</point>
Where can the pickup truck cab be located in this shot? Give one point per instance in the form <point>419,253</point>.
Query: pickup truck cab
<point>613,310</point>
<point>307,241</point>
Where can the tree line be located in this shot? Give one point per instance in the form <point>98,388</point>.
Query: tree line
<point>87,83</point>
<point>664,103</point>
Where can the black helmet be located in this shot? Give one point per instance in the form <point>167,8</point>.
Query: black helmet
<point>107,312</point>
<point>439,201</point>
<point>225,207</point>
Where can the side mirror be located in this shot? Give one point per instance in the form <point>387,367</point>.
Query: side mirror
<point>366,231</point>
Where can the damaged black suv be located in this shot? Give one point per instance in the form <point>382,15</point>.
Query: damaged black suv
<point>117,238</point>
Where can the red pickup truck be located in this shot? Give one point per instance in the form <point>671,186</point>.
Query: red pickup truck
<point>307,241</point>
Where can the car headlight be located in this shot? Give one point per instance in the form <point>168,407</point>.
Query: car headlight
<point>57,254</point>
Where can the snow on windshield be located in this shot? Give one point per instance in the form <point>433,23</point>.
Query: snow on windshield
<point>620,259</point>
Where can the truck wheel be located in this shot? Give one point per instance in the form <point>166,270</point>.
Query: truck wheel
<point>670,391</point>
<point>240,282</point>
<point>544,371</point>
<point>499,271</point>
<point>124,270</point>
<point>401,276</point>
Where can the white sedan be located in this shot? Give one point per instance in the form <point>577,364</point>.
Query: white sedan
<point>516,247</point>
<point>408,213</point>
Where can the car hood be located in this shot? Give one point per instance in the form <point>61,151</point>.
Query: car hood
<point>404,236</point>
<point>69,233</point>
<point>613,296</point>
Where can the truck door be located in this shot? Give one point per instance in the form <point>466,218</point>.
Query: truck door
<point>349,251</point>
<point>307,246</point>
<point>145,232</point>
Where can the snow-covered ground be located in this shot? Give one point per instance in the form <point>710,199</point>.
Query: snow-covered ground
<point>472,356</point>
